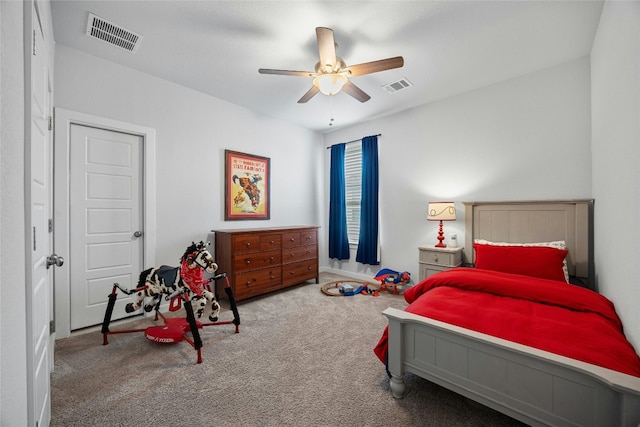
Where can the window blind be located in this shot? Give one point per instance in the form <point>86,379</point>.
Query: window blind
<point>353,188</point>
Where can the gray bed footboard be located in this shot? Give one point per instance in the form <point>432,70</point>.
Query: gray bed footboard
<point>530,385</point>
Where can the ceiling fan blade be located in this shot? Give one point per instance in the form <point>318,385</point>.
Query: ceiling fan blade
<point>375,66</point>
<point>307,96</point>
<point>326,48</point>
<point>355,91</point>
<point>286,72</point>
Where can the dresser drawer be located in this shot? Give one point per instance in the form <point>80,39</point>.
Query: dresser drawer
<point>256,282</point>
<point>309,237</point>
<point>299,271</point>
<point>441,258</point>
<point>253,261</point>
<point>299,253</point>
<point>291,239</point>
<point>245,243</point>
<point>428,270</point>
<point>270,242</point>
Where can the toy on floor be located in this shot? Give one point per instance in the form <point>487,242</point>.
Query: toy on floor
<point>393,281</point>
<point>347,288</point>
<point>183,284</point>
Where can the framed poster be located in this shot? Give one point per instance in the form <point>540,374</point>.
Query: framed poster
<point>247,181</point>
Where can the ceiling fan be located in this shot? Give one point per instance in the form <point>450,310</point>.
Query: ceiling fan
<point>332,74</point>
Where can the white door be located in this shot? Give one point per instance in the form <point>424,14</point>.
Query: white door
<point>106,220</point>
<point>39,190</point>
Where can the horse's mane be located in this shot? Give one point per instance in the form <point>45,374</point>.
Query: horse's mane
<point>191,249</point>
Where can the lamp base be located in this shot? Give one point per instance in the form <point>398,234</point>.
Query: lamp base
<point>440,238</point>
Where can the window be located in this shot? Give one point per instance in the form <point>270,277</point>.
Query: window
<point>353,189</point>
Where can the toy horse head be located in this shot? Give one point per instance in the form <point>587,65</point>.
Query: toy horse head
<point>197,255</point>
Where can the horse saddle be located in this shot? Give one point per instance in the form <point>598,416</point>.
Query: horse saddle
<point>167,275</point>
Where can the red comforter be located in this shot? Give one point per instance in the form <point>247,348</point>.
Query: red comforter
<point>545,314</point>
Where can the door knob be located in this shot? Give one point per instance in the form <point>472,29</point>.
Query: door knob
<point>54,259</point>
<point>137,234</point>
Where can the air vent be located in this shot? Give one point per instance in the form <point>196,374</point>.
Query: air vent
<point>397,86</point>
<point>113,34</point>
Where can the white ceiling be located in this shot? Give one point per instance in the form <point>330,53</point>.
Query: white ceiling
<point>449,47</point>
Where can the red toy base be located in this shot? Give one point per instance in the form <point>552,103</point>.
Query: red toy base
<point>170,333</point>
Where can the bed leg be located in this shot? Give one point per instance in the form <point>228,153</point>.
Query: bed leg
<point>396,383</point>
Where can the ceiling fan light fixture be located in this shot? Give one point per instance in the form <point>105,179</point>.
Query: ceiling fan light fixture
<point>331,73</point>
<point>330,84</point>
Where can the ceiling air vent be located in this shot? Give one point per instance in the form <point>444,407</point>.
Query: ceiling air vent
<point>394,87</point>
<point>113,34</point>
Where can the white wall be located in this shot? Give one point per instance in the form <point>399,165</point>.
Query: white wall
<point>523,139</point>
<point>192,132</point>
<point>615,76</point>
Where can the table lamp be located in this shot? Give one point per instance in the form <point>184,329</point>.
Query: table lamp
<point>441,211</point>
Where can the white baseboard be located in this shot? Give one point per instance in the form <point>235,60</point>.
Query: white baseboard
<point>347,274</point>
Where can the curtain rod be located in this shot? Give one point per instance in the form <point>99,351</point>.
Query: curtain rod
<point>349,142</point>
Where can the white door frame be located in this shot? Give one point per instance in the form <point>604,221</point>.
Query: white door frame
<point>63,121</point>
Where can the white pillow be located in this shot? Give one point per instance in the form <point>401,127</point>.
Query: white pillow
<point>559,244</point>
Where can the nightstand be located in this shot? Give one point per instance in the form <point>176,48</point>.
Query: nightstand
<point>433,260</point>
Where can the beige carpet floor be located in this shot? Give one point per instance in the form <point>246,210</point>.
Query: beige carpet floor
<point>302,358</point>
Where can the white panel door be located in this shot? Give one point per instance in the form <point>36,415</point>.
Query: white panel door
<point>106,220</point>
<point>38,299</point>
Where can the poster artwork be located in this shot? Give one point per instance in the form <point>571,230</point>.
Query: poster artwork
<point>247,186</point>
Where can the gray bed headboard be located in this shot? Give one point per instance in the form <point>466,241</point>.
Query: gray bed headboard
<point>535,221</point>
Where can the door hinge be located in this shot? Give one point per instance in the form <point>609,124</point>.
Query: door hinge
<point>34,42</point>
<point>51,225</point>
<point>52,327</point>
<point>50,124</point>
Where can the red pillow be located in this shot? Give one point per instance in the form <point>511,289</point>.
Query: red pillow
<point>535,261</point>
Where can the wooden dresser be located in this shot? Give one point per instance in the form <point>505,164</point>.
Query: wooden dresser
<point>262,260</point>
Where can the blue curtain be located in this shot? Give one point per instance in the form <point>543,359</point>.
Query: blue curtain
<point>338,239</point>
<point>368,238</point>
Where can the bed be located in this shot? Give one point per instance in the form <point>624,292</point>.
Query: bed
<point>535,386</point>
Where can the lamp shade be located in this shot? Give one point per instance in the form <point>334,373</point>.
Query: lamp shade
<point>330,84</point>
<point>441,211</point>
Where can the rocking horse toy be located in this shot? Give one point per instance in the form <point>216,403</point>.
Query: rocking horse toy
<point>183,284</point>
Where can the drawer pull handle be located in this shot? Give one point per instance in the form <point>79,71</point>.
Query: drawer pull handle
<point>309,268</point>
<point>293,254</point>
<point>248,283</point>
<point>293,272</point>
<point>272,277</point>
<point>248,244</point>
<point>272,242</point>
<point>271,259</point>
<point>248,261</point>
<point>435,258</point>
<point>292,239</point>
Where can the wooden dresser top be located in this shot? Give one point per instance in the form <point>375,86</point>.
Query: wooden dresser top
<point>267,229</point>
